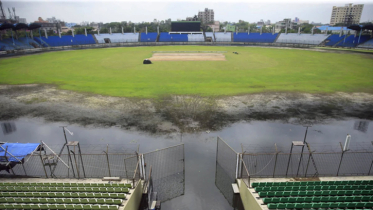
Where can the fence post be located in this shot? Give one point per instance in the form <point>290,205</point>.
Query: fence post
<point>81,159</point>
<point>42,162</point>
<point>308,163</point>
<point>287,168</point>
<point>274,169</point>
<point>237,162</point>
<point>370,168</point>
<point>340,162</point>
<point>301,155</point>
<point>107,158</point>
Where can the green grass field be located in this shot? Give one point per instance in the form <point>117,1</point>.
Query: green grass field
<point>120,72</point>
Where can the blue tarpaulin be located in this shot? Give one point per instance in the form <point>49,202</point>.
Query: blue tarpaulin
<point>19,150</point>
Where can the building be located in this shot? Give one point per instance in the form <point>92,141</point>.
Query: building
<point>70,25</point>
<point>334,29</point>
<point>230,27</point>
<point>47,25</point>
<point>215,26</point>
<point>348,15</point>
<point>22,20</point>
<point>206,16</point>
<point>285,23</point>
<point>195,18</point>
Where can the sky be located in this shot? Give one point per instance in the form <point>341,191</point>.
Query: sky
<point>139,11</point>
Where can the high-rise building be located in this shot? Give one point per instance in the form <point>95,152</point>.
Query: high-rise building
<point>349,14</point>
<point>206,16</point>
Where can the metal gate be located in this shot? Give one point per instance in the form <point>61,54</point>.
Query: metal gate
<point>168,171</point>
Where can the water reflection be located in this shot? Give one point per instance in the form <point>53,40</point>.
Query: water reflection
<point>8,127</point>
<point>361,126</point>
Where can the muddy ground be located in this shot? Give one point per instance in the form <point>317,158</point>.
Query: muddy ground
<point>178,113</point>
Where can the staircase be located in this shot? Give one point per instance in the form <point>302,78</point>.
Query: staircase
<point>278,35</point>
<point>94,37</point>
<point>341,40</point>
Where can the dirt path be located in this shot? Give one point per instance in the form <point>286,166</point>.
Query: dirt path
<point>178,113</point>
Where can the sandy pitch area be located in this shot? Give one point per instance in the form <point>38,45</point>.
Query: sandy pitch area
<point>188,57</point>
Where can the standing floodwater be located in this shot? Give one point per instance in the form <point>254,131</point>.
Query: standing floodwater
<point>200,148</point>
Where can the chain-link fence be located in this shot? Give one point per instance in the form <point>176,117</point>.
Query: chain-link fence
<point>326,162</point>
<point>226,169</point>
<point>168,171</point>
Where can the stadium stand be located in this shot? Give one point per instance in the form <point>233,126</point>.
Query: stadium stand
<point>333,39</point>
<point>223,37</point>
<point>196,38</point>
<point>4,46</point>
<point>150,37</point>
<point>118,37</point>
<point>17,44</point>
<point>354,194</point>
<point>294,38</point>
<point>16,195</point>
<point>254,37</point>
<point>55,41</point>
<point>210,34</point>
<point>29,41</point>
<point>167,37</point>
<point>352,41</point>
<point>367,44</point>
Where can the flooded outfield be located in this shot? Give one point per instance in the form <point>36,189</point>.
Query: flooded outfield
<point>200,146</point>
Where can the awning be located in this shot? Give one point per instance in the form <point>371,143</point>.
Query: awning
<point>16,151</point>
<point>4,26</point>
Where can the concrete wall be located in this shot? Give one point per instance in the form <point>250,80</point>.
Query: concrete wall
<point>133,202</point>
<point>248,199</point>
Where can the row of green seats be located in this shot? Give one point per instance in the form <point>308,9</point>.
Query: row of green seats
<point>316,193</point>
<point>50,184</point>
<point>318,199</point>
<point>56,206</point>
<point>64,189</point>
<point>275,184</point>
<point>316,187</point>
<point>62,200</point>
<point>351,205</point>
<point>62,195</point>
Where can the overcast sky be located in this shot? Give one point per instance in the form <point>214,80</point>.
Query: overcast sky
<point>138,11</point>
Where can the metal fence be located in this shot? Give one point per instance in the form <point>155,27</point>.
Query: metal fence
<point>226,169</point>
<point>168,171</point>
<point>309,164</point>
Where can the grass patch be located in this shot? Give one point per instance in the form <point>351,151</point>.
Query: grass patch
<point>120,72</point>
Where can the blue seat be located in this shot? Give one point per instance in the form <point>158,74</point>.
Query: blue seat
<point>254,37</point>
<point>150,37</point>
<point>166,37</point>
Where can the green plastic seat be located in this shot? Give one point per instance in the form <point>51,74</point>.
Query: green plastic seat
<point>300,199</point>
<point>272,206</point>
<point>368,205</point>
